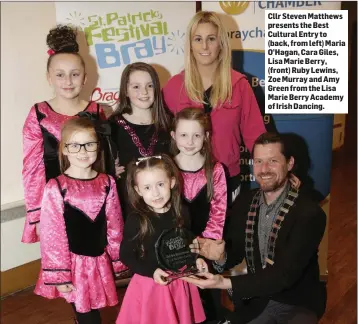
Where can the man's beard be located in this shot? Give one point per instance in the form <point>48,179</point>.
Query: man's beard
<point>270,186</point>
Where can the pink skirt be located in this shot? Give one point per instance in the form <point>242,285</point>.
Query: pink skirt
<point>94,282</point>
<point>146,302</point>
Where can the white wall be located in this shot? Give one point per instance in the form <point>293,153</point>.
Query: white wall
<point>24,27</point>
<point>13,252</point>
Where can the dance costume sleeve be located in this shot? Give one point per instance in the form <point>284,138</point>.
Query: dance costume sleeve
<point>55,253</point>
<point>33,175</point>
<point>115,227</point>
<point>215,225</point>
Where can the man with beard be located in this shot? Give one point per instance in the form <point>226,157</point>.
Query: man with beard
<point>277,230</point>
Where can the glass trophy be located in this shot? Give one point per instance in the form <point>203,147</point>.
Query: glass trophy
<point>173,252</point>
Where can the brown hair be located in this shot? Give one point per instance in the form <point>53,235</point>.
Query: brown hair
<point>288,148</point>
<point>203,119</point>
<point>272,138</point>
<point>62,39</point>
<point>68,129</point>
<point>160,117</point>
<point>165,163</point>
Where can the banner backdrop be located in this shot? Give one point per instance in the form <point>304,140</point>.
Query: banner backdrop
<point>120,33</point>
<point>245,23</point>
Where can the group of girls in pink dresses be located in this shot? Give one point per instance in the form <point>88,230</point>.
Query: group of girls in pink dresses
<point>95,216</point>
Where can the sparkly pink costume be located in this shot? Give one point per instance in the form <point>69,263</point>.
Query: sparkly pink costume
<point>41,134</point>
<point>81,233</point>
<point>207,217</point>
<point>145,301</point>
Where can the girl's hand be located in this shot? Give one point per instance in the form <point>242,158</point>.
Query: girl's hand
<point>119,169</point>
<point>201,265</point>
<point>159,277</point>
<point>295,182</point>
<point>37,229</point>
<point>65,288</point>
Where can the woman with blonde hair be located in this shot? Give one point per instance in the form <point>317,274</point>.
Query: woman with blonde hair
<point>208,82</point>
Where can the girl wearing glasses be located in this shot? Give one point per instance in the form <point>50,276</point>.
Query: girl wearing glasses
<point>41,132</point>
<point>81,227</point>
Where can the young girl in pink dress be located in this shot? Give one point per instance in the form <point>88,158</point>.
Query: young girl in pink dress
<point>66,74</point>
<point>205,188</point>
<point>204,181</point>
<point>155,196</point>
<point>81,227</point>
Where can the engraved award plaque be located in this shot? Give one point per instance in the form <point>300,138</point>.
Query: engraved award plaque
<point>173,252</point>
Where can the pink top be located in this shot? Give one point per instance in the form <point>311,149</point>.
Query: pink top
<point>34,170</point>
<point>239,116</point>
<point>88,196</point>
<point>195,187</point>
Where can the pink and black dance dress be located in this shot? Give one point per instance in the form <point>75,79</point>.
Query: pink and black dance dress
<point>207,220</point>
<point>81,233</point>
<point>207,217</point>
<point>41,135</point>
<point>145,301</point>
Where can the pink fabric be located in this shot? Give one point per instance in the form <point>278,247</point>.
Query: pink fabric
<point>194,182</point>
<point>91,276</point>
<point>33,172</point>
<point>93,280</point>
<point>240,116</point>
<point>115,227</point>
<point>33,175</point>
<point>146,302</point>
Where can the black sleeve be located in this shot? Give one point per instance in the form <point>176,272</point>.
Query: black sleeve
<point>110,150</point>
<point>129,252</point>
<point>186,216</point>
<point>302,246</point>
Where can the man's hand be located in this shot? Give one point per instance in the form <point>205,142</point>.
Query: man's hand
<point>211,249</point>
<point>207,280</point>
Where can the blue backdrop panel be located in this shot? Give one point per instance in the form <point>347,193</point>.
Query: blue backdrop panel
<point>316,130</point>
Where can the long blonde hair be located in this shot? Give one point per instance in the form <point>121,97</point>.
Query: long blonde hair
<point>222,86</point>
